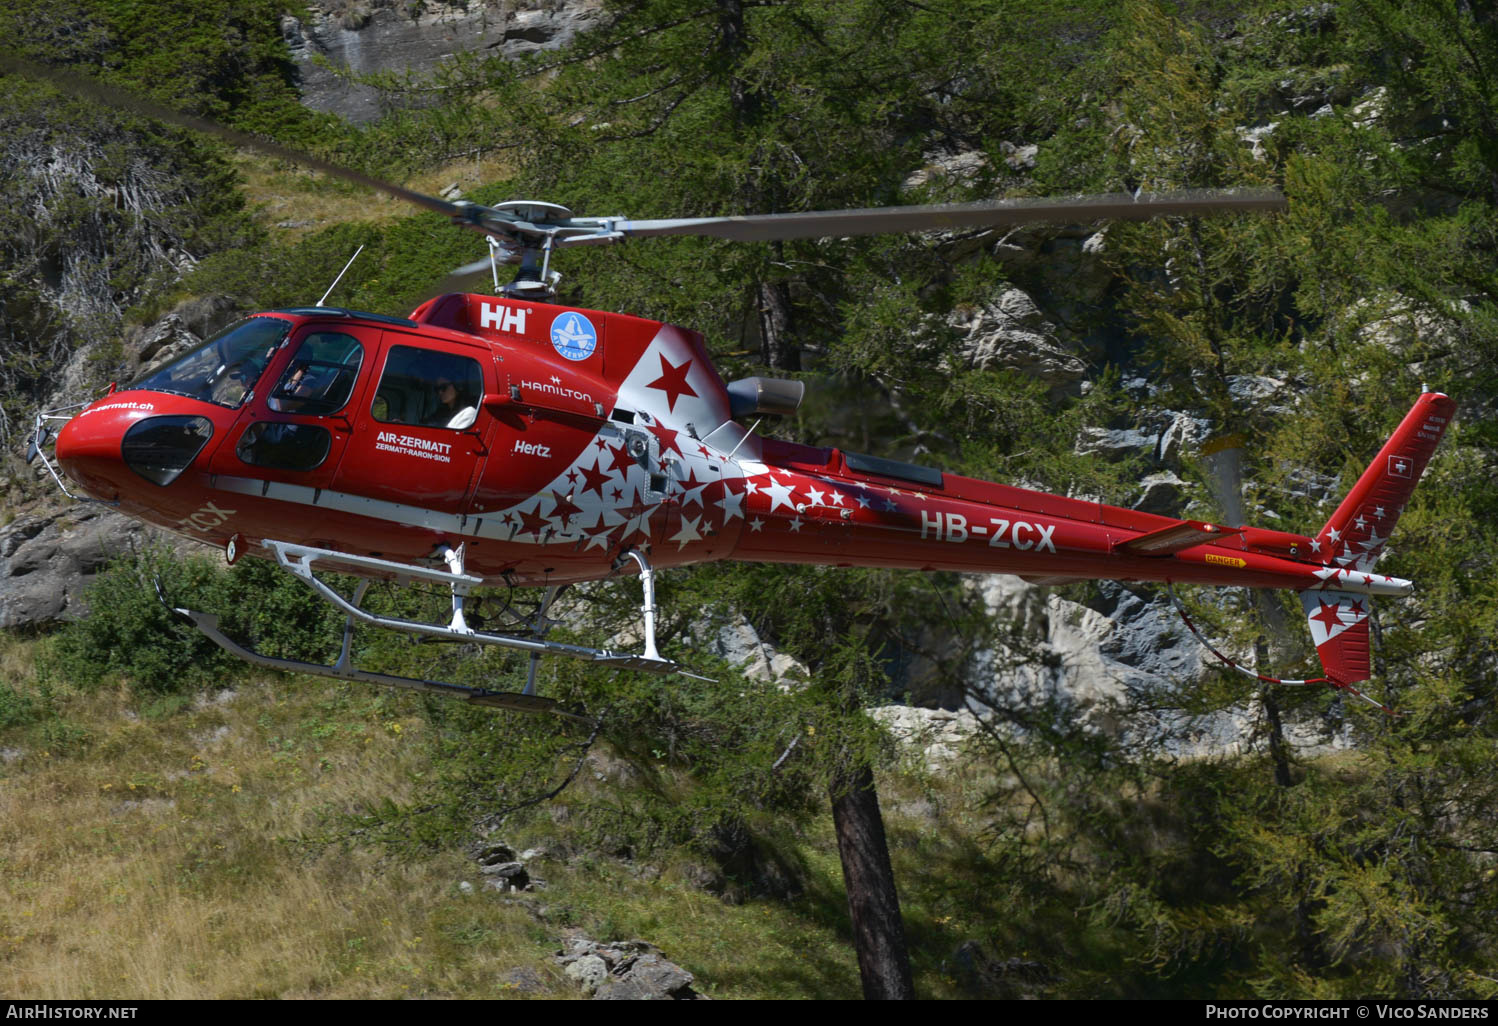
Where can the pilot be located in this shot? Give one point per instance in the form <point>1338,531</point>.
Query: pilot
<point>454,409</point>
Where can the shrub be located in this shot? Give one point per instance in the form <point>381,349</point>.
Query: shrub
<point>131,635</point>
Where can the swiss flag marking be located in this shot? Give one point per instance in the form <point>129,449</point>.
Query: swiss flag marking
<point>1400,466</point>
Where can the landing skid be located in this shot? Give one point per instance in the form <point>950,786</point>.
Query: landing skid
<point>301,560</point>
<point>344,670</point>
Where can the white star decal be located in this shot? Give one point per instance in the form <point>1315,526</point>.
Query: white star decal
<point>1379,512</point>
<point>1336,535</point>
<point>796,524</point>
<point>1361,523</point>
<point>863,501</point>
<point>837,498</point>
<point>815,495</point>
<point>780,495</point>
<point>756,524</point>
<point>1373,542</point>
<point>1315,545</point>
<point>691,495</point>
<point>750,487</point>
<point>688,532</point>
<point>732,505</point>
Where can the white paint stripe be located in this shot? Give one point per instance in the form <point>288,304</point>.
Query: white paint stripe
<point>482,526</point>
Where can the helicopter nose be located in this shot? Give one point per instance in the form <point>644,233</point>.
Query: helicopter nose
<point>117,445</point>
<point>88,451</point>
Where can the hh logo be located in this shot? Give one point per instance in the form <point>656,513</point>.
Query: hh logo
<point>1400,466</point>
<point>508,319</point>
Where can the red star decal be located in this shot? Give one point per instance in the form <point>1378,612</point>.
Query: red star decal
<point>565,510</point>
<point>534,523</point>
<point>1327,614</point>
<point>1357,607</point>
<point>689,486</point>
<point>667,438</point>
<point>615,494</point>
<point>622,460</point>
<point>602,445</point>
<point>594,479</point>
<point>673,381</point>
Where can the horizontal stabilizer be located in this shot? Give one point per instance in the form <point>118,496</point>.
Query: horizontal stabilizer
<point>1339,627</point>
<point>1170,540</point>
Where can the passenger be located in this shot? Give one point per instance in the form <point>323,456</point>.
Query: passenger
<point>454,410</point>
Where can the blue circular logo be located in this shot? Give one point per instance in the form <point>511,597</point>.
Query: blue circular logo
<point>573,336</point>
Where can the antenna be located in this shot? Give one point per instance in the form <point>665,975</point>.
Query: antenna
<point>341,273</point>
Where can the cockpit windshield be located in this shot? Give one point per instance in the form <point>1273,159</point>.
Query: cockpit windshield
<point>224,369</point>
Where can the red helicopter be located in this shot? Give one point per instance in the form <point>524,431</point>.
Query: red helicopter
<point>508,440</point>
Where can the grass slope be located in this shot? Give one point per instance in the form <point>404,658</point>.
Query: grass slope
<point>201,848</point>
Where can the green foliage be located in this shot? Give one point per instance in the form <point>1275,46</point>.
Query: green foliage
<point>132,636</point>
<point>1281,872</point>
<point>16,707</point>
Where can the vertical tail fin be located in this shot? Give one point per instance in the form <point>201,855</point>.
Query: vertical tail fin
<point>1354,536</point>
<point>1362,522</point>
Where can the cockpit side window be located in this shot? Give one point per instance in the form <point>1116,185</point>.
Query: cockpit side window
<point>225,369</point>
<point>321,375</point>
<point>428,388</point>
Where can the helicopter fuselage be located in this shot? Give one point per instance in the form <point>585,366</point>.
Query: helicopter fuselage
<point>549,441</point>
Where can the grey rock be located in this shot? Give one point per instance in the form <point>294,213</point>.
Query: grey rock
<point>393,39</point>
<point>647,978</point>
<point>1255,137</point>
<point>163,342</point>
<point>1085,661</point>
<point>935,736</point>
<point>505,876</point>
<point>1181,437</point>
<point>588,970</point>
<point>740,645</point>
<point>1019,158</point>
<point>1115,442</point>
<point>955,168</point>
<point>495,852</point>
<point>1162,493</point>
<point>48,560</point>
<point>633,970</point>
<point>1010,331</point>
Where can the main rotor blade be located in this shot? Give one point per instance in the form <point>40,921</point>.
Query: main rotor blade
<point>837,223</point>
<point>92,89</point>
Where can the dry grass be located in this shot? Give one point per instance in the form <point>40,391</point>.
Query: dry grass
<point>162,862</point>
<point>174,855</point>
